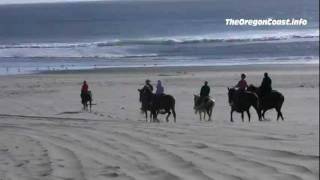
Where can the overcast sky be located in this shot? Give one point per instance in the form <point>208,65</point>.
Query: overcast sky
<point>36,1</point>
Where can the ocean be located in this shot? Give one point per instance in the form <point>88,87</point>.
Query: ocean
<point>86,35</point>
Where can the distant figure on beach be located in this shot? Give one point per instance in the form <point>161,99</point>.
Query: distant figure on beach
<point>204,104</point>
<point>241,101</point>
<point>242,84</point>
<point>204,93</point>
<point>205,90</point>
<point>147,89</point>
<point>266,87</point>
<point>86,96</point>
<point>84,88</point>
<point>156,103</point>
<point>240,89</point>
<point>159,93</point>
<point>268,98</point>
<point>160,89</point>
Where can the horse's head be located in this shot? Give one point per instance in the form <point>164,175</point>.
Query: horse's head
<point>196,99</point>
<point>231,92</point>
<point>140,93</point>
<point>252,88</point>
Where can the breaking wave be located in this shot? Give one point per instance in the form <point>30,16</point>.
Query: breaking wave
<point>222,38</point>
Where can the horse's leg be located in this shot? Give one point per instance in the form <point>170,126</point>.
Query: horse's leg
<point>280,111</point>
<point>151,116</point>
<point>90,104</point>
<point>278,115</point>
<point>209,114</point>
<point>156,116</point>
<point>242,117</point>
<point>258,110</point>
<point>231,115</point>
<point>146,113</point>
<point>84,104</point>
<point>167,118</point>
<point>281,115</point>
<point>174,114</point>
<point>200,115</point>
<point>249,116</point>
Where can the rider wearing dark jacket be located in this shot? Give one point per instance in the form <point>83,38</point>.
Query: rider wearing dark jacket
<point>205,90</point>
<point>266,87</point>
<point>147,87</point>
<point>204,94</point>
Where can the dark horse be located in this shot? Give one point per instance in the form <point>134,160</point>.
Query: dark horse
<point>85,99</point>
<point>274,99</point>
<point>242,101</point>
<point>164,104</point>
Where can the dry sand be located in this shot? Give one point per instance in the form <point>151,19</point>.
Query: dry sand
<point>44,134</point>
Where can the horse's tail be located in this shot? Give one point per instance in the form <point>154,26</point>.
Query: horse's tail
<point>213,103</point>
<point>280,101</point>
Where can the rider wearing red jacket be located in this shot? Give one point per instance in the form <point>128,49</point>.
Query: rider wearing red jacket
<point>84,88</point>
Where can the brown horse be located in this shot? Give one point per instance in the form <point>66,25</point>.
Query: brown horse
<point>205,108</point>
<point>164,104</point>
<point>274,99</point>
<point>242,101</point>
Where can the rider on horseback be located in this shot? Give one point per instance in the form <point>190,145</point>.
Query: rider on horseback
<point>159,93</point>
<point>147,89</point>
<point>85,95</point>
<point>204,94</point>
<point>160,89</point>
<point>265,87</point>
<point>241,86</point>
<point>84,88</point>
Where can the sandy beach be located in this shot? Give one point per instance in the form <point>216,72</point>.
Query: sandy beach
<point>45,135</point>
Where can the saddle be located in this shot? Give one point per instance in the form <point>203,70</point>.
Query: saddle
<point>202,101</point>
